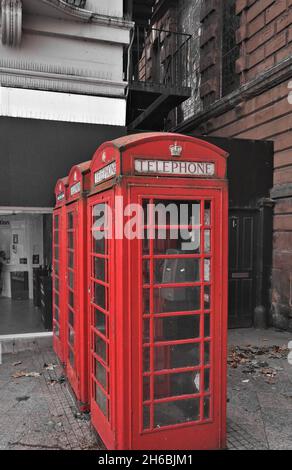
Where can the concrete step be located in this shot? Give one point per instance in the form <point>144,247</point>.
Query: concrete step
<point>25,342</point>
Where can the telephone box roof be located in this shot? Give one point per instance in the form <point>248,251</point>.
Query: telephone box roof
<point>123,143</point>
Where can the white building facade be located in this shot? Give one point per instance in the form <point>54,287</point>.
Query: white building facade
<point>50,47</point>
<point>62,93</point>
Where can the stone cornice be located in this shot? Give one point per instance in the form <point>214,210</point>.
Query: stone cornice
<point>271,78</point>
<point>11,22</point>
<point>88,16</point>
<point>59,79</point>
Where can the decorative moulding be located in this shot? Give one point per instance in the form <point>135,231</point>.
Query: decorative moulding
<point>11,22</point>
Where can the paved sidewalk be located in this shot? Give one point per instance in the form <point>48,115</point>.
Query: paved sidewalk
<point>259,390</point>
<point>38,411</point>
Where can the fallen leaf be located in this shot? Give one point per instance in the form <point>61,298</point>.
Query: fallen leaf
<point>20,374</point>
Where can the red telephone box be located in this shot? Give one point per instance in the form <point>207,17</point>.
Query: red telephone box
<point>59,268</point>
<point>76,319</point>
<point>157,271</point>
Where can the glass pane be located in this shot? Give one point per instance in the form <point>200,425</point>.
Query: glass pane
<point>177,328</point>
<point>207,353</point>
<point>57,287</point>
<point>146,301</point>
<point>183,411</point>
<point>176,241</point>
<point>146,359</point>
<point>70,240</point>
<point>207,270</point>
<point>99,245</point>
<point>146,272</point>
<point>100,269</point>
<point>56,219</point>
<point>172,385</point>
<point>176,356</point>
<point>56,299</point>
<point>100,348</point>
<point>56,314</point>
<point>146,417</point>
<point>207,380</point>
<point>146,388</point>
<point>177,270</point>
<point>146,243</point>
<point>99,216</point>
<point>71,299</point>
<point>56,252</point>
<point>207,298</point>
<point>207,326</point>
<point>70,220</point>
<point>207,408</point>
<point>207,218</point>
<point>56,235</point>
<point>100,374</point>
<point>71,318</point>
<point>100,295</point>
<point>176,212</point>
<point>71,357</point>
<point>56,268</point>
<point>71,279</point>
<point>100,322</point>
<point>71,259</point>
<point>146,331</point>
<point>177,299</point>
<point>100,399</point>
<point>71,336</point>
<point>207,241</point>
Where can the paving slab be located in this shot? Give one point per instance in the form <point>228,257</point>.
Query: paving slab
<point>39,412</point>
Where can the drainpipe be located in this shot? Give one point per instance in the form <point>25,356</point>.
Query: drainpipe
<point>264,262</point>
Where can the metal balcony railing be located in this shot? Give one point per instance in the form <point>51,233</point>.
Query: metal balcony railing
<point>160,57</point>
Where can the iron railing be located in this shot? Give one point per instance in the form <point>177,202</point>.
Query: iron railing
<point>160,57</point>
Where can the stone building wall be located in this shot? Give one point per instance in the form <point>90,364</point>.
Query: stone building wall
<point>260,109</point>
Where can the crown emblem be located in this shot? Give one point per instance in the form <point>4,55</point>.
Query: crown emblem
<point>175,150</point>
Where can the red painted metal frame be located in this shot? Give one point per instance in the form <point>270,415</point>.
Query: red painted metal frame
<point>102,337</point>
<point>59,244</point>
<point>76,318</point>
<point>204,433</point>
<point>123,429</point>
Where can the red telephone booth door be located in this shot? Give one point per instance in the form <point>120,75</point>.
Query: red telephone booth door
<point>101,307</point>
<point>57,285</point>
<point>72,304</point>
<point>178,342</point>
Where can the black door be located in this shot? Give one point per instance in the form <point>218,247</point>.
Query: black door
<point>241,268</point>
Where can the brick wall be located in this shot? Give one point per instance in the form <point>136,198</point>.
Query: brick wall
<point>265,39</point>
<point>211,43</point>
<point>265,35</point>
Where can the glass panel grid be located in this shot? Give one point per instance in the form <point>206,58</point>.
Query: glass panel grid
<point>56,279</point>
<point>72,288</point>
<point>169,396</point>
<point>99,307</point>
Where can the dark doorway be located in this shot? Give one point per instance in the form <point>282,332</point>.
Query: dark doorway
<point>250,175</point>
<point>242,268</point>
